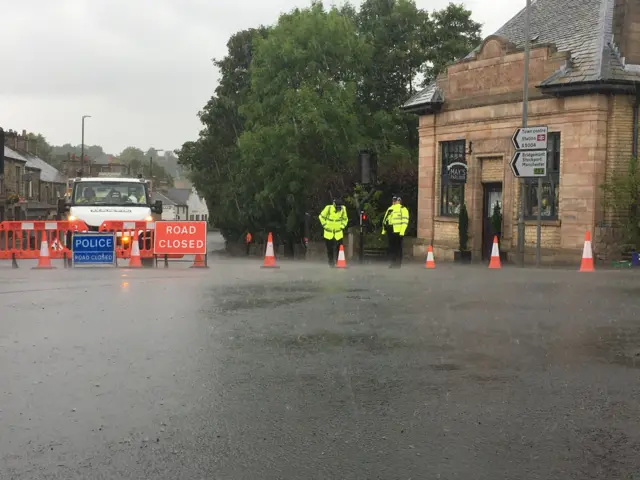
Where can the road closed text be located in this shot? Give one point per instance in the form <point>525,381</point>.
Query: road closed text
<point>183,238</point>
<point>182,244</point>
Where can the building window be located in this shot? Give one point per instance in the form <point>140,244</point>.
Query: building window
<point>451,194</point>
<point>550,185</point>
<point>191,217</point>
<point>198,217</point>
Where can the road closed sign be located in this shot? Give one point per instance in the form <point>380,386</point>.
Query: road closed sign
<point>180,238</point>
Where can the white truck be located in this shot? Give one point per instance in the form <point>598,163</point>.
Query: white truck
<point>96,199</point>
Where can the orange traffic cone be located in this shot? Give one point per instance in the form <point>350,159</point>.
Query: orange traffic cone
<point>495,254</point>
<point>44,260</point>
<point>134,261</point>
<point>586,265</point>
<point>198,262</point>
<point>431,263</point>
<point>342,261</point>
<point>269,256</point>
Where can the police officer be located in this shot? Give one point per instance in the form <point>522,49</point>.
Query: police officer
<point>394,225</point>
<point>333,220</point>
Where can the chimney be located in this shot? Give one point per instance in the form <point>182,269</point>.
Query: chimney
<point>22,142</point>
<point>626,30</point>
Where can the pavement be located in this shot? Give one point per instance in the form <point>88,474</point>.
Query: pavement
<point>238,372</point>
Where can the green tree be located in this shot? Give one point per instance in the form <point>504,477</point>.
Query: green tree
<point>44,149</point>
<point>134,158</point>
<point>454,35</point>
<point>301,114</point>
<point>212,160</point>
<point>297,100</point>
<point>622,201</point>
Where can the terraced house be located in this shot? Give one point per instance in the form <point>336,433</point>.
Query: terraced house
<point>583,84</point>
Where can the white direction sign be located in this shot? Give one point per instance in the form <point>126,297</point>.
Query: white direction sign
<point>530,138</point>
<point>529,163</point>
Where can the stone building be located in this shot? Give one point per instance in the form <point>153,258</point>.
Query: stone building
<point>583,76</point>
<point>30,187</point>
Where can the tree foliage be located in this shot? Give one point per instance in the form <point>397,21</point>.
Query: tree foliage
<point>622,199</point>
<point>145,164</point>
<point>297,100</point>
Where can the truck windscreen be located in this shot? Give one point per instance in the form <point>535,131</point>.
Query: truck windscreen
<point>110,193</point>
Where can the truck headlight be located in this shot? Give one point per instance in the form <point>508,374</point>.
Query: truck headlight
<point>71,218</point>
<point>149,219</point>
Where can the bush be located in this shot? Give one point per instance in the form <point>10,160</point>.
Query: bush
<point>463,228</point>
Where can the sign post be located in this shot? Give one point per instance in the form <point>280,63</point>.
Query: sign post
<point>93,249</point>
<point>530,161</point>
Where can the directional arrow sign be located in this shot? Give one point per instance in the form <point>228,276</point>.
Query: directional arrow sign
<point>530,138</point>
<point>529,163</point>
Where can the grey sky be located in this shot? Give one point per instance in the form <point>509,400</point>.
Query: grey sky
<point>141,68</point>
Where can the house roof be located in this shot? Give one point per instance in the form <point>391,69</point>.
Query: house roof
<point>179,195</point>
<point>163,198</point>
<point>584,28</point>
<point>11,153</point>
<point>47,172</point>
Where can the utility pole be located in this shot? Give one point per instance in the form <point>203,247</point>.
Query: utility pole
<point>525,114</point>
<point>82,144</point>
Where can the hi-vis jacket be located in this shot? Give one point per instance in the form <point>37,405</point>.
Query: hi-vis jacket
<point>396,219</point>
<point>333,222</point>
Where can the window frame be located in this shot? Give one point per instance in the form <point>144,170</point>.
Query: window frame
<point>450,151</point>
<point>554,149</point>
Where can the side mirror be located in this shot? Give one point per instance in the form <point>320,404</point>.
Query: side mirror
<point>63,207</point>
<point>157,207</point>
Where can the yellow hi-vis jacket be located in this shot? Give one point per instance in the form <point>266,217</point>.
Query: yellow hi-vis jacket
<point>333,222</point>
<point>396,219</point>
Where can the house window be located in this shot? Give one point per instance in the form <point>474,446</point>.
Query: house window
<point>550,185</point>
<point>451,194</point>
<point>30,188</point>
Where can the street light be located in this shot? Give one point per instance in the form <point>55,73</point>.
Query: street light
<point>82,145</point>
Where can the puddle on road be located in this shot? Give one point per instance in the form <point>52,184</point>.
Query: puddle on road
<point>249,303</point>
<point>618,344</point>
<point>249,297</point>
<point>371,342</point>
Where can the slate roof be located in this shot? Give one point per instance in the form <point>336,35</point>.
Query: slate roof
<point>581,27</point>
<point>11,153</point>
<point>179,195</point>
<point>163,198</point>
<point>47,172</point>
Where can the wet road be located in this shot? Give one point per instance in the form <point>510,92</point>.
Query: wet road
<point>305,373</point>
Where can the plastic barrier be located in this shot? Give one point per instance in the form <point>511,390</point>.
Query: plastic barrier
<point>125,232</point>
<point>22,239</point>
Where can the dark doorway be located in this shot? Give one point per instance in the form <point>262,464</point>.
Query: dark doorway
<point>492,194</point>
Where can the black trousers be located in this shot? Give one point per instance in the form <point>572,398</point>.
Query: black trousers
<point>333,247</point>
<point>395,249</point>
